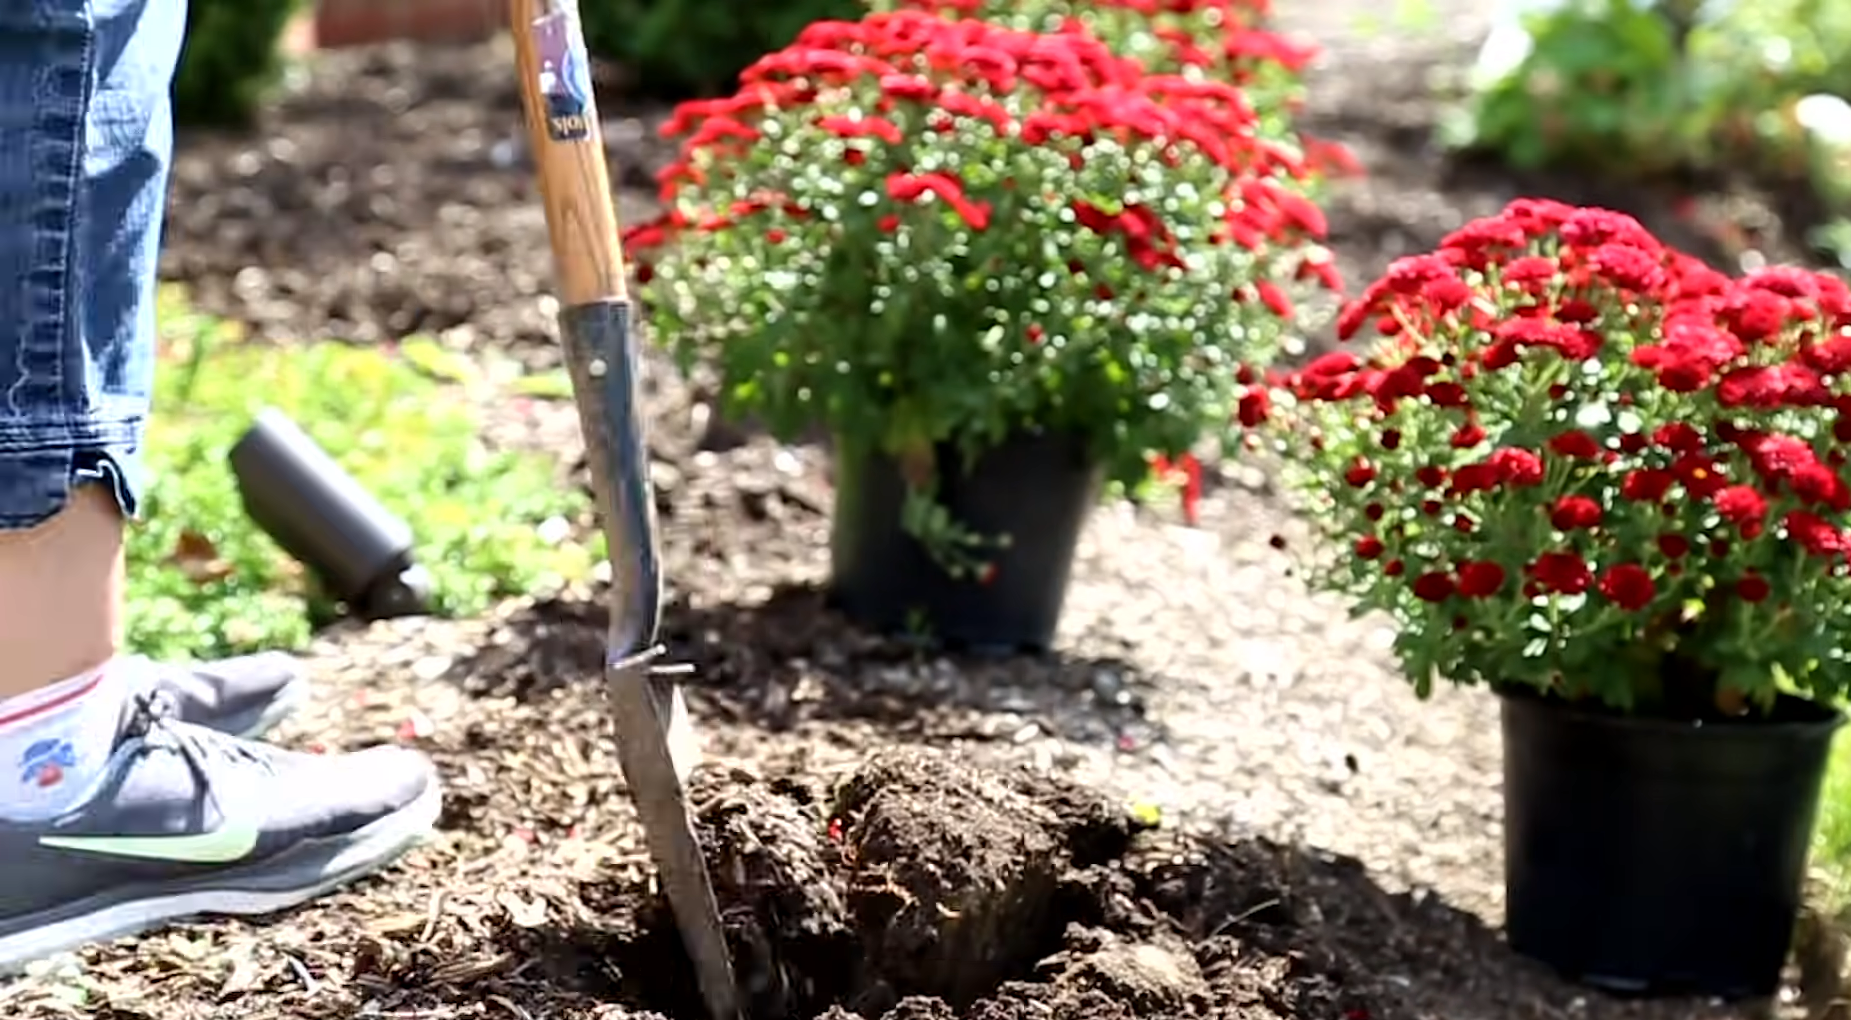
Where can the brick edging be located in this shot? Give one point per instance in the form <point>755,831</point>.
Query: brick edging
<point>339,23</point>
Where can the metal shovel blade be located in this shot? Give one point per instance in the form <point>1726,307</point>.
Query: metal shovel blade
<point>655,741</point>
<point>645,699</point>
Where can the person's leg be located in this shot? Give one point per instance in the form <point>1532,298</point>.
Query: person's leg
<point>82,177</point>
<point>116,814</point>
<point>61,593</point>
<point>85,175</point>
<point>85,183</point>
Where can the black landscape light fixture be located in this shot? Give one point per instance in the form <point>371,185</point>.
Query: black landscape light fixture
<point>322,516</point>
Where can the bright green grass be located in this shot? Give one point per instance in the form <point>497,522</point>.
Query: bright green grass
<point>205,581</point>
<point>1831,845</point>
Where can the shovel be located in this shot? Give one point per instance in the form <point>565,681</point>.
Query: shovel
<point>655,740</point>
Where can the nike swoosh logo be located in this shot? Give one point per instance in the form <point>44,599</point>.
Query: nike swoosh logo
<point>223,845</point>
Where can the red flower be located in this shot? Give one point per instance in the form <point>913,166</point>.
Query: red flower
<point>1273,298</point>
<point>1756,317</point>
<point>1815,535</point>
<point>1368,547</point>
<point>653,234</point>
<point>1565,573</point>
<point>908,87</point>
<point>1769,387</point>
<point>1529,272</point>
<point>1820,485</point>
<point>1698,474</point>
<point>1647,485</point>
<point>1688,359</point>
<point>1629,267</point>
<point>1434,586</point>
<point>1571,342</point>
<point>1186,471</point>
<point>1628,585</point>
<point>1752,588</point>
<point>1469,435</point>
<point>1255,405</point>
<point>1678,438</point>
<point>1361,473</point>
<point>1447,394</point>
<point>1673,546</point>
<point>1573,513</point>
<point>911,187</point>
<point>1331,365</point>
<point>1743,507</point>
<point>1776,457</point>
<point>1517,467</point>
<point>862,127</point>
<point>1831,356</point>
<point>1472,478</point>
<point>1575,443</point>
<point>1480,579</point>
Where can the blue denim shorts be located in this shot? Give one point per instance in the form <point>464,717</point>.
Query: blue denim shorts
<point>86,139</point>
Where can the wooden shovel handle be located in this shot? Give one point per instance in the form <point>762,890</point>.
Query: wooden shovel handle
<point>568,149</point>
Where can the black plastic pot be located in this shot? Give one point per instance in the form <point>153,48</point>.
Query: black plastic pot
<point>1038,489</point>
<point>1651,857</point>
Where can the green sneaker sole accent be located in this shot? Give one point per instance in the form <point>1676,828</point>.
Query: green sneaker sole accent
<point>277,883</point>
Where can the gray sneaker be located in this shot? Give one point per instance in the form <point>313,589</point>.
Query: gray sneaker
<point>245,696</point>
<point>187,821</point>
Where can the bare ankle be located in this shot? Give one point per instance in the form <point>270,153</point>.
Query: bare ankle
<point>61,586</point>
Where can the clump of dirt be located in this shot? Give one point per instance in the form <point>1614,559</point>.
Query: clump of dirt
<point>919,879</point>
<point>769,853</point>
<point>923,887</point>
<point>953,875</point>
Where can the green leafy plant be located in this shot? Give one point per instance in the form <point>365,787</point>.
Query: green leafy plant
<point>677,48</point>
<point>205,581</point>
<point>916,231</point>
<point>1832,838</point>
<point>1583,463</point>
<point>1593,83</point>
<point>1755,62</point>
<point>231,58</point>
<point>1642,87</point>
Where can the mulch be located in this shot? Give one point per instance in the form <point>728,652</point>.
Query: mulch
<point>1329,847</point>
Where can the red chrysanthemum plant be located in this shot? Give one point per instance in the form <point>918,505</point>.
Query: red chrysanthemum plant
<point>915,231</point>
<point>1221,40</point>
<point>1579,462</point>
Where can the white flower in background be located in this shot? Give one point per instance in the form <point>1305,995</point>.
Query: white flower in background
<point>1826,119</point>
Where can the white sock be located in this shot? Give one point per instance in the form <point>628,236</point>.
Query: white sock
<point>54,742</point>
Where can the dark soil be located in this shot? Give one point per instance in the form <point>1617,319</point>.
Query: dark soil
<point>862,898</point>
<point>857,899</point>
<point>1329,847</point>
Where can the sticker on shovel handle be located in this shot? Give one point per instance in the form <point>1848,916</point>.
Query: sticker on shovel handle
<point>565,76</point>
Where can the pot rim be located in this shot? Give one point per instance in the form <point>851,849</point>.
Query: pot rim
<point>1823,725</point>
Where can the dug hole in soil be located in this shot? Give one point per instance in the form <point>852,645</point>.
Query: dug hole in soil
<point>924,887</point>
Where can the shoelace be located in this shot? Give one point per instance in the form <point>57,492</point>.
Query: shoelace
<point>156,723</point>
